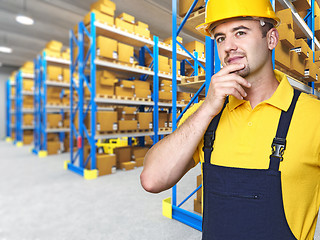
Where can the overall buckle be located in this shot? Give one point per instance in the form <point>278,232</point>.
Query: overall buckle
<point>208,141</point>
<point>278,146</point>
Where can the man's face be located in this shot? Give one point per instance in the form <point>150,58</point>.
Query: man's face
<point>241,42</point>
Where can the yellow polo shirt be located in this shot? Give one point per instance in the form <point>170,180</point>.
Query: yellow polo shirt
<point>244,137</point>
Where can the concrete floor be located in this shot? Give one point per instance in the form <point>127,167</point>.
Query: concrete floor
<point>39,200</point>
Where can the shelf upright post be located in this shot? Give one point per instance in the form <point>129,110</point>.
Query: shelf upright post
<point>43,104</point>
<point>8,115</point>
<point>18,112</point>
<point>313,30</point>
<point>71,68</point>
<point>212,66</point>
<point>156,89</point>
<point>174,82</point>
<point>36,133</point>
<point>93,70</point>
<point>81,96</point>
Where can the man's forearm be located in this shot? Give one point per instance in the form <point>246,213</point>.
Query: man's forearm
<point>168,160</point>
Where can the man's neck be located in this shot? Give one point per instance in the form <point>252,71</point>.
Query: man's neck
<point>263,85</point>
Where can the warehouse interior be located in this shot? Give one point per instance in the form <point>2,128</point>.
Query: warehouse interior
<point>72,160</point>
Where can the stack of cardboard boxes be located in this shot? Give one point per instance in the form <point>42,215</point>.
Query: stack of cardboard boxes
<point>53,49</point>
<point>28,67</point>
<point>294,55</point>
<point>105,163</point>
<point>107,121</point>
<point>124,88</point>
<point>130,157</point>
<point>54,120</point>
<point>185,5</point>
<point>198,201</point>
<point>28,119</point>
<point>163,63</point>
<point>54,146</point>
<point>127,118</point>
<point>27,137</point>
<point>104,12</point>
<point>165,90</point>
<point>145,120</point>
<point>142,89</point>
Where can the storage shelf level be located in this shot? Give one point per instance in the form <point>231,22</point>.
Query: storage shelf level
<point>57,130</point>
<point>119,135</point>
<point>58,60</point>
<point>57,84</point>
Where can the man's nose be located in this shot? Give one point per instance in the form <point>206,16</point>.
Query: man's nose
<point>230,44</point>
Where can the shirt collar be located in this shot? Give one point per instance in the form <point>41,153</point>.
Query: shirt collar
<point>281,98</point>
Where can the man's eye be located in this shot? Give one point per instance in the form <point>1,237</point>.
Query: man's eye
<point>219,39</point>
<point>240,33</point>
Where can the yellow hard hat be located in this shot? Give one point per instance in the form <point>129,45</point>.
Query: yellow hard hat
<point>217,10</point>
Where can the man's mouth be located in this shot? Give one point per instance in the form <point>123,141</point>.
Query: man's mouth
<point>235,59</point>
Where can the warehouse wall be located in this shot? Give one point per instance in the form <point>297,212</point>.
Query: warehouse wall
<point>3,80</point>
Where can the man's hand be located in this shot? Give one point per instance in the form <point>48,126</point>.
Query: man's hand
<point>225,82</point>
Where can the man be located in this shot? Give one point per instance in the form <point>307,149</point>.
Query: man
<point>251,191</point>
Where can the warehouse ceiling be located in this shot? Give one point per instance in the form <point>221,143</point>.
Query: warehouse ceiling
<point>54,18</point>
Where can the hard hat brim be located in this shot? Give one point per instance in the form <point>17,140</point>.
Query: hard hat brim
<point>204,27</point>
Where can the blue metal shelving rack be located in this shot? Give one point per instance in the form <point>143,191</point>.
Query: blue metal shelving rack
<point>77,161</point>
<point>18,111</point>
<point>8,111</point>
<point>40,104</point>
<point>170,207</point>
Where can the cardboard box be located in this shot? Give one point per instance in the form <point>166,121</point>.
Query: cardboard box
<point>28,119</point>
<point>105,82</point>
<point>311,70</point>
<point>107,121</point>
<point>169,40</point>
<point>199,192</point>
<point>54,73</point>
<point>124,92</point>
<point>28,85</point>
<point>141,84</point>
<point>165,83</point>
<point>108,3</point>
<point>286,35</point>
<point>127,125</point>
<point>102,8</point>
<point>141,31</point>
<point>52,137</point>
<point>53,147</point>
<point>51,53</point>
<point>317,56</point>
<point>125,53</point>
<point>54,120</point>
<point>127,117</point>
<point>139,162</point>
<point>66,55</point>
<point>302,48</point>
<point>27,137</point>
<point>128,165</point>
<point>107,47</point>
<point>127,110</point>
<point>100,17</point>
<point>142,93</point>
<point>301,5</point>
<point>105,163</point>
<point>185,5</point>
<point>127,18</point>
<point>163,119</point>
<point>196,46</point>
<point>285,17</point>
<point>145,120</point>
<point>282,56</point>
<point>296,64</point>
<point>126,84</point>
<point>183,96</point>
<point>317,27</point>
<point>53,95</point>
<point>165,88</point>
<point>124,26</point>
<point>165,96</point>
<point>123,154</point>
<point>197,206</point>
<point>139,152</point>
<point>27,102</point>
<point>54,45</point>
<point>66,75</point>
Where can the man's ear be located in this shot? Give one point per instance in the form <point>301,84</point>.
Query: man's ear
<point>273,38</point>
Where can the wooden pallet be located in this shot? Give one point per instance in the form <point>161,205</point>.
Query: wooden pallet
<point>106,96</point>
<point>166,129</point>
<point>145,130</point>
<point>143,99</point>
<point>193,79</point>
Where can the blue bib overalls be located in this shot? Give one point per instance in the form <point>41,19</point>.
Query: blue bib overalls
<point>245,204</point>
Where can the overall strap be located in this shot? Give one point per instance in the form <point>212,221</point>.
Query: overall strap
<point>279,142</point>
<point>209,135</point>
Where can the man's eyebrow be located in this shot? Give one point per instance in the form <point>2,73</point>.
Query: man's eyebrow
<point>233,30</point>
